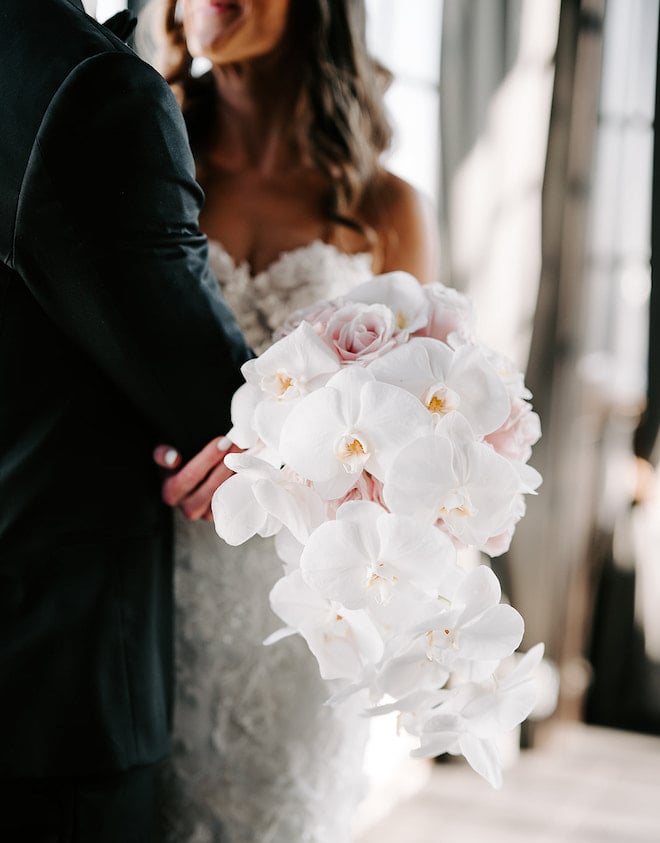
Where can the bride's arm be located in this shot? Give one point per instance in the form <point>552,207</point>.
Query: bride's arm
<point>407,231</point>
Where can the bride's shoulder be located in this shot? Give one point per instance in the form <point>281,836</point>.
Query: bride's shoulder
<point>405,223</point>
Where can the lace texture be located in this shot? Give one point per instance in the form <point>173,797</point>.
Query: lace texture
<point>257,757</point>
<point>298,278</point>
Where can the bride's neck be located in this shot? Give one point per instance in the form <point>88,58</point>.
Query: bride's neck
<point>256,106</point>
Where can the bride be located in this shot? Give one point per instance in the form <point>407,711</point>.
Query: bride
<point>287,129</point>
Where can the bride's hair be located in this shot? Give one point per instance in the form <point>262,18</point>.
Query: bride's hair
<point>340,99</point>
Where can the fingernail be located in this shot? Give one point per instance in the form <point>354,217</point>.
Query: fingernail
<point>171,456</point>
<point>224,443</point>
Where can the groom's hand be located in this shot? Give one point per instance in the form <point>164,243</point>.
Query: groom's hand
<point>191,487</point>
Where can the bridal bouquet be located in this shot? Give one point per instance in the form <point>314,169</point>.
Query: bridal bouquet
<point>379,438</point>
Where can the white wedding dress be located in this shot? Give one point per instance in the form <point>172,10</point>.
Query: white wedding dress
<point>257,757</point>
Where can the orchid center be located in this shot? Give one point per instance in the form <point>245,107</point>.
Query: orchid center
<point>439,640</point>
<point>440,399</point>
<point>353,453</point>
<point>436,405</point>
<point>284,382</point>
<point>280,385</point>
<point>383,581</point>
<point>401,321</point>
<point>458,505</point>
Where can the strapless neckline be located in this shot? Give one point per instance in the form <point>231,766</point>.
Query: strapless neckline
<point>297,278</point>
<point>314,247</point>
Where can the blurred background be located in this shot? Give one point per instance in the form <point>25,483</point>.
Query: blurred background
<point>529,123</point>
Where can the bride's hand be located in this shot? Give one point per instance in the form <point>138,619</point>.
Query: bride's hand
<point>191,487</point>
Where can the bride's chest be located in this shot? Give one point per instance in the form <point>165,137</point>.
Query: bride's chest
<point>258,219</point>
<point>296,279</point>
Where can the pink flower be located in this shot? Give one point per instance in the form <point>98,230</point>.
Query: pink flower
<point>514,439</point>
<point>451,315</point>
<point>497,545</point>
<point>367,488</point>
<point>316,315</point>
<point>361,332</point>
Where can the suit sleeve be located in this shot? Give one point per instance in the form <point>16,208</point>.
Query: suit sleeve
<point>107,239</point>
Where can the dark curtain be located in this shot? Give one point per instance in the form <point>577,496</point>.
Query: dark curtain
<point>625,691</point>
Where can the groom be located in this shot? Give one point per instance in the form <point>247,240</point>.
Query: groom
<point>113,337</point>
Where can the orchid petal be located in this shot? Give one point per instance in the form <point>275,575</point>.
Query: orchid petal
<point>236,513</point>
<point>483,757</point>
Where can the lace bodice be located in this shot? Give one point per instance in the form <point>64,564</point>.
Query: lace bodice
<point>257,756</point>
<point>296,279</point>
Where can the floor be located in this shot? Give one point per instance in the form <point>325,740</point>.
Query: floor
<point>581,785</point>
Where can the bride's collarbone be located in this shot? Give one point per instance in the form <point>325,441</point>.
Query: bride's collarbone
<point>261,242</point>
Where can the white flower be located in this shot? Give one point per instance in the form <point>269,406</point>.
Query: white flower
<point>259,499</point>
<point>412,669</point>
<point>511,376</point>
<point>288,550</point>
<point>360,332</point>
<point>401,293</point>
<point>352,424</point>
<point>452,478</point>
<point>243,405</point>
<point>469,718</point>
<point>344,642</point>
<point>446,380</point>
<point>368,555</point>
<point>476,627</point>
<point>290,369</point>
<point>471,633</point>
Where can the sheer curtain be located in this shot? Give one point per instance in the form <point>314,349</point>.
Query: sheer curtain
<point>407,39</point>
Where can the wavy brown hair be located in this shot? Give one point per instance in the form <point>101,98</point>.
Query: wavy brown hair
<point>339,112</point>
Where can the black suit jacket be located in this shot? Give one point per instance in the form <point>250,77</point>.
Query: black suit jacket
<point>113,337</point>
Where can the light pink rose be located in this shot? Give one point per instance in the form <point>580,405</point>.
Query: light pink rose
<point>317,315</point>
<point>519,432</point>
<point>361,332</point>
<point>451,315</point>
<point>497,545</point>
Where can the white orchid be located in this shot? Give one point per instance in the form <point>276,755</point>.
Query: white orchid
<point>259,499</point>
<point>474,627</point>
<point>243,405</point>
<point>401,293</point>
<point>469,718</point>
<point>453,478</point>
<point>368,555</point>
<point>380,436</point>
<point>470,632</point>
<point>290,369</point>
<point>353,423</point>
<point>447,380</point>
<point>343,641</point>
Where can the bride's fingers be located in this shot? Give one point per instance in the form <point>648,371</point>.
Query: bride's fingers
<point>198,504</point>
<point>180,485</point>
<point>167,457</point>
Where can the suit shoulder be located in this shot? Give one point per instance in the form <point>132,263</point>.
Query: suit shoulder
<point>115,73</point>
<point>113,88</point>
